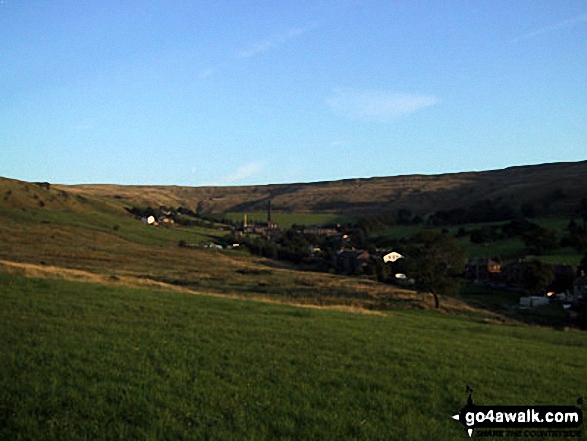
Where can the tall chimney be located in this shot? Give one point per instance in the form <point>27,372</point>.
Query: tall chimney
<point>269,211</point>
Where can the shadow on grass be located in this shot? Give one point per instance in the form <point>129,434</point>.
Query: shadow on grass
<point>298,291</point>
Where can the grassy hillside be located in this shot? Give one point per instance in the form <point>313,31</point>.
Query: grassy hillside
<point>87,361</point>
<point>42,224</point>
<point>96,240</point>
<point>33,196</point>
<point>109,329</point>
<point>549,188</point>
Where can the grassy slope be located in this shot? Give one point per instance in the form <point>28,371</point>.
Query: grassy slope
<point>105,361</point>
<point>84,361</point>
<point>419,193</point>
<point>20,209</point>
<point>99,237</point>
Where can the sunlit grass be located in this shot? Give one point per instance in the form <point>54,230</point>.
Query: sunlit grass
<point>83,361</point>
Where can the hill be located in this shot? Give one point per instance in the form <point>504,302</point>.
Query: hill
<point>548,188</point>
<point>84,237</point>
<point>109,329</point>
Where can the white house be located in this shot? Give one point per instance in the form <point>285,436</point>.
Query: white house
<point>392,257</point>
<point>149,220</point>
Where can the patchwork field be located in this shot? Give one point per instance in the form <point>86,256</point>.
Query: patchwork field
<point>91,361</point>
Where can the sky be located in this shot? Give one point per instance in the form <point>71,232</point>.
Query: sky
<point>214,92</point>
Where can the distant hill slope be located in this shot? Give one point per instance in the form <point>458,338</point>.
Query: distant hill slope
<point>550,188</point>
<point>16,194</point>
<point>25,195</point>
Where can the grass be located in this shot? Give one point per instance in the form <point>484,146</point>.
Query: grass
<point>286,220</point>
<point>505,249</point>
<point>115,222</point>
<point>506,303</point>
<point>52,242</point>
<point>85,361</point>
<point>563,256</point>
<point>400,231</point>
<point>489,297</point>
<point>107,360</point>
<point>556,223</point>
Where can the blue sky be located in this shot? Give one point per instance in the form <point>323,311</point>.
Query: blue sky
<point>257,92</point>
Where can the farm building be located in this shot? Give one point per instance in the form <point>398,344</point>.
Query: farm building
<point>482,268</point>
<point>149,220</point>
<point>533,301</point>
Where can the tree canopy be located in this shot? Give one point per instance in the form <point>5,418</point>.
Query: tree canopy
<point>436,262</point>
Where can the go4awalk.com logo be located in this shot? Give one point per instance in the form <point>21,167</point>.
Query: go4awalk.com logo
<point>521,421</point>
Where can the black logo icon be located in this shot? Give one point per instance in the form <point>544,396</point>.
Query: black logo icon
<point>474,416</point>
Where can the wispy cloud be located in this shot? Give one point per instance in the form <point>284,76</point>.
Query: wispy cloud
<point>207,73</point>
<point>568,23</point>
<point>377,105</point>
<point>275,41</point>
<point>243,172</point>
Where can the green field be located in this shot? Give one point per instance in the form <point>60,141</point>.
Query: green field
<point>286,220</point>
<point>85,361</point>
<point>503,249</point>
<point>134,352</point>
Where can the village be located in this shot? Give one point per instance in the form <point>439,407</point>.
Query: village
<point>335,248</point>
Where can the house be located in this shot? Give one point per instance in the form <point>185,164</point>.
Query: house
<point>149,220</point>
<point>580,288</point>
<point>262,228</point>
<point>267,229</point>
<point>392,257</point>
<point>482,268</point>
<point>212,246</point>
<point>576,309</point>
<point>351,261</point>
<point>564,277</point>
<point>318,230</point>
<point>533,301</point>
<point>314,250</point>
<point>514,272</point>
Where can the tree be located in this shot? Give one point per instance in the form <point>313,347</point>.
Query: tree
<point>359,238</point>
<point>541,240</point>
<point>537,277</point>
<point>577,237</point>
<point>404,216</point>
<point>382,271</point>
<point>582,210</point>
<point>582,268</point>
<point>437,264</point>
